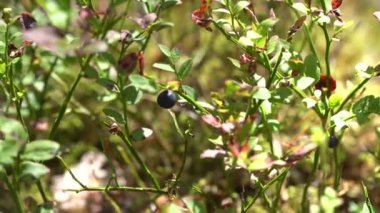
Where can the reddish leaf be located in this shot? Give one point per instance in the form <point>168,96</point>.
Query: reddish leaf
<point>27,21</point>
<point>336,4</point>
<point>199,16</point>
<point>128,62</point>
<point>323,82</point>
<point>48,38</point>
<point>212,121</point>
<point>145,21</point>
<point>296,26</point>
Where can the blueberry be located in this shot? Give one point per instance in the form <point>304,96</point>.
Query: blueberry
<point>167,99</point>
<point>333,141</point>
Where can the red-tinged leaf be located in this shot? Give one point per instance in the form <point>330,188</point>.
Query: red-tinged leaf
<point>336,4</point>
<point>212,121</point>
<point>199,16</point>
<point>377,15</point>
<point>323,83</point>
<point>145,21</point>
<point>128,62</point>
<point>300,152</point>
<point>296,26</point>
<point>48,38</point>
<point>27,21</point>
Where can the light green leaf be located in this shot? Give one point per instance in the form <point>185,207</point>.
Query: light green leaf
<point>262,94</point>
<point>310,68</point>
<point>143,82</point>
<point>32,170</point>
<point>163,66</point>
<point>115,115</point>
<point>195,206</point>
<point>185,69</point>
<point>240,6</point>
<point>40,150</point>
<point>305,82</point>
<point>301,7</point>
<point>165,50</point>
<point>132,94</point>
<point>141,134</point>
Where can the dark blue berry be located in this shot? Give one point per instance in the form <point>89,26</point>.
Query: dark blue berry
<point>333,141</point>
<point>167,99</point>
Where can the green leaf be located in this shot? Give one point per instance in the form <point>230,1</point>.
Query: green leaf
<point>364,70</point>
<point>305,82</point>
<point>172,208</point>
<point>185,68</point>
<point>366,106</point>
<point>163,66</point>
<point>40,150</point>
<point>132,94</point>
<point>340,120</point>
<point>301,7</point>
<point>221,10</point>
<point>195,206</point>
<point>191,92</point>
<point>160,25</point>
<point>141,134</point>
<point>107,83</point>
<point>260,161</point>
<point>115,115</point>
<point>165,50</point>
<point>8,151</point>
<point>262,94</point>
<point>282,95</point>
<point>235,62</point>
<point>240,6</point>
<point>90,72</point>
<point>32,170</point>
<point>12,130</point>
<point>47,207</point>
<point>328,5</point>
<point>367,206</point>
<point>217,141</point>
<point>143,82</point>
<point>168,3</point>
<point>310,68</point>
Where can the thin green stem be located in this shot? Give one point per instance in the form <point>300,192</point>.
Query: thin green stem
<point>267,129</point>
<point>275,69</point>
<point>311,43</point>
<point>327,57</point>
<point>184,157</point>
<point>263,189</point>
<point>63,163</point>
<point>352,94</point>
<point>132,167</point>
<point>193,103</point>
<point>304,202</point>
<point>337,169</point>
<point>124,103</point>
<point>41,190</point>
<point>12,190</point>
<point>67,99</point>
<point>44,89</point>
<point>112,202</point>
<point>120,188</point>
<point>137,157</point>
<point>278,194</point>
